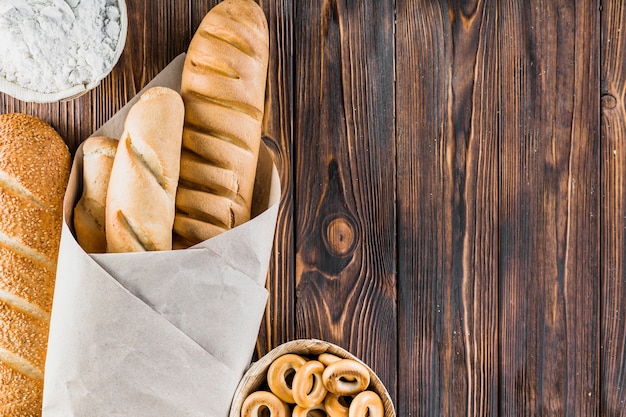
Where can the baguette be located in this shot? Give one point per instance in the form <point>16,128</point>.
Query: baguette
<point>223,87</point>
<point>139,211</point>
<point>34,170</point>
<point>89,217</point>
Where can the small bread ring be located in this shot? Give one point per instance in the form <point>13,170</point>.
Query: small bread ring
<point>277,375</point>
<point>366,403</point>
<point>334,407</point>
<point>260,400</point>
<point>346,377</point>
<point>317,410</point>
<point>328,358</point>
<point>308,389</point>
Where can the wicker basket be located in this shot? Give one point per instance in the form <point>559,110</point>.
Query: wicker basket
<point>255,378</point>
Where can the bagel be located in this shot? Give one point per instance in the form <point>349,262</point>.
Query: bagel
<point>334,406</point>
<point>328,358</point>
<point>308,389</point>
<point>258,401</point>
<point>346,377</point>
<point>278,372</point>
<point>366,404</point>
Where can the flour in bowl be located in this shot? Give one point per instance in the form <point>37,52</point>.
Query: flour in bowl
<point>53,45</point>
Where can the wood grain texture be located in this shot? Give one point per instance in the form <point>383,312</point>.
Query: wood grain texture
<point>549,208</point>
<point>613,213</point>
<point>344,154</point>
<point>453,202</point>
<point>279,324</point>
<point>447,207</point>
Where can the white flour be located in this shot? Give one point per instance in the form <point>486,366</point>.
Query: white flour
<point>53,45</point>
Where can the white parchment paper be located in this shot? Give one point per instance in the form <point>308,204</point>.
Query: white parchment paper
<point>165,333</point>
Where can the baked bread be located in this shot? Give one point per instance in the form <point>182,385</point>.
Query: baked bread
<point>34,170</point>
<point>223,86</point>
<point>142,187</point>
<point>89,218</point>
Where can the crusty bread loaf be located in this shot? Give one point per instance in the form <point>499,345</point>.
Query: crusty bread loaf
<point>142,187</point>
<point>34,169</point>
<point>223,86</point>
<point>89,217</point>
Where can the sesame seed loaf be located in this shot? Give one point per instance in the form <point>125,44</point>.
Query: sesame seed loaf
<point>34,169</point>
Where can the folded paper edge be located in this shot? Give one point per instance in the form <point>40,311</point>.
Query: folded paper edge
<point>58,344</point>
<point>268,215</point>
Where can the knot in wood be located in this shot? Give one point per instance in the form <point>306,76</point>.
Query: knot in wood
<point>340,236</point>
<point>608,101</point>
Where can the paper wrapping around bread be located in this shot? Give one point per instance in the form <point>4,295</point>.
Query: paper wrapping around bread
<point>158,333</point>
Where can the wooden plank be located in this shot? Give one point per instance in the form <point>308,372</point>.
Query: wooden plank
<point>198,9</point>
<point>613,224</point>
<point>344,154</point>
<point>549,208</point>
<point>278,325</point>
<point>447,122</point>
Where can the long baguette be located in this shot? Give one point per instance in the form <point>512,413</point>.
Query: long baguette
<point>223,87</point>
<point>142,187</point>
<point>34,169</point>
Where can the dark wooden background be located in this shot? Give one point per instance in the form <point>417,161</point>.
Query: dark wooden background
<point>454,204</point>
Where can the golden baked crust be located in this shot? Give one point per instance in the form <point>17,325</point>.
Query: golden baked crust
<point>223,86</point>
<point>142,187</point>
<point>20,395</point>
<point>24,277</point>
<point>89,213</point>
<point>33,153</point>
<point>34,169</point>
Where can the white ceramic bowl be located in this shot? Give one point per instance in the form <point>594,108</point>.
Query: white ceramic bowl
<point>29,95</point>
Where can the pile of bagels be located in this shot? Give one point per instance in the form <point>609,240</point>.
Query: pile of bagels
<point>184,168</point>
<point>325,385</point>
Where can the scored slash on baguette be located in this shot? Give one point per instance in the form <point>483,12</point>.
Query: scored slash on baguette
<point>223,87</point>
<point>9,184</point>
<point>138,239</point>
<point>19,364</point>
<point>27,251</point>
